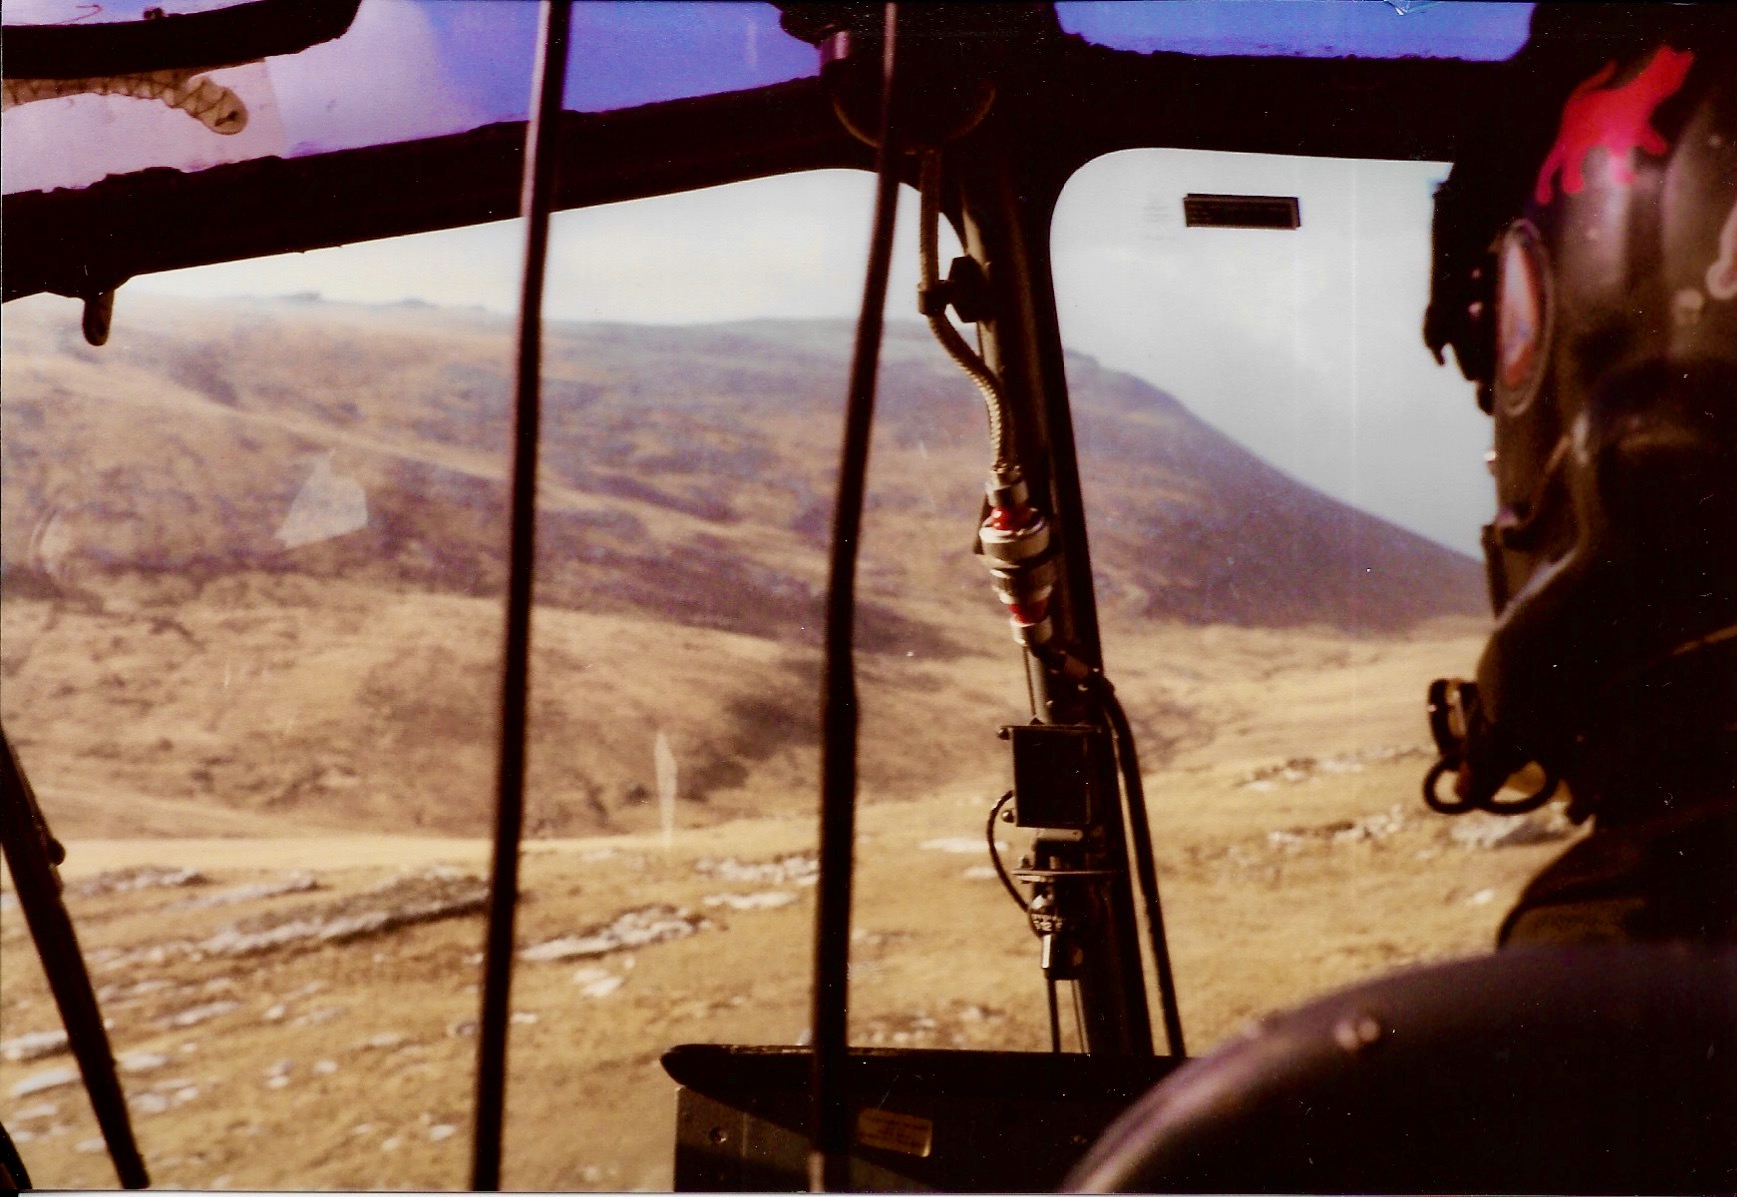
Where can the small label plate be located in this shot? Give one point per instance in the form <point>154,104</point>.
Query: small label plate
<point>904,1133</point>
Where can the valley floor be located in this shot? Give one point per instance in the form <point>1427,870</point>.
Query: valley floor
<point>267,1042</point>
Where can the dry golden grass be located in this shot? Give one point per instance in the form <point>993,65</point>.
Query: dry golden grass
<point>1274,891</point>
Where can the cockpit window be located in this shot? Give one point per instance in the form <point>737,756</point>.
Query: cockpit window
<point>1304,28</point>
<point>253,577</point>
<point>1284,493</point>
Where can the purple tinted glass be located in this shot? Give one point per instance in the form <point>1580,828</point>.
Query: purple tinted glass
<point>1466,29</point>
<point>405,69</point>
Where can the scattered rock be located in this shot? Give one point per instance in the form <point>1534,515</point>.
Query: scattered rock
<point>139,1062</point>
<point>35,1113</point>
<point>770,899</point>
<point>33,1045</point>
<point>441,1131</point>
<point>126,881</point>
<point>798,868</point>
<point>1300,769</point>
<point>386,1040</point>
<point>1291,772</point>
<point>295,883</point>
<point>597,982</point>
<point>406,901</point>
<point>194,1015</point>
<point>281,1068</point>
<point>631,929</point>
<point>1344,831</point>
<point>325,1067</point>
<point>1482,898</point>
<point>148,1102</point>
<point>979,873</point>
<point>114,994</point>
<point>961,845</point>
<point>275,1012</point>
<point>277,1082</point>
<point>42,1082</point>
<point>524,1018</point>
<point>463,1028</point>
<point>1480,831</point>
<point>89,1146</point>
<point>320,1016</point>
<point>391,1144</point>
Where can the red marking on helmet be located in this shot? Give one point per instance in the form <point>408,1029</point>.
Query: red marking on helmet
<point>1616,119</point>
<point>1028,615</point>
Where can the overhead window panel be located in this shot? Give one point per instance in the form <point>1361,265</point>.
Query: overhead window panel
<point>213,83</point>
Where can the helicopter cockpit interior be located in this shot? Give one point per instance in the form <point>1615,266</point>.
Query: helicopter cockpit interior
<point>767,597</point>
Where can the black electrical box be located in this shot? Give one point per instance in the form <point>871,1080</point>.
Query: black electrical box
<point>1061,772</point>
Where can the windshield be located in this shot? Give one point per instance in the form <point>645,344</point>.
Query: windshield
<point>252,612</point>
<point>1284,492</point>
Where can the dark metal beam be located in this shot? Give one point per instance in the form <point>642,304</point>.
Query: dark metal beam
<point>178,41</point>
<point>80,242</point>
<point>1071,101</point>
<point>31,855</point>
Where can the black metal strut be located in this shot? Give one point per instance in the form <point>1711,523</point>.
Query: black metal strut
<point>31,854</point>
<point>1145,866</point>
<point>829,1157</point>
<point>536,202</point>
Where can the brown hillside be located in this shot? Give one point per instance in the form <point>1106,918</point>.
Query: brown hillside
<point>253,554</point>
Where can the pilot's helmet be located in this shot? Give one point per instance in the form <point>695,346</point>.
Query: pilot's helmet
<point>1598,313</point>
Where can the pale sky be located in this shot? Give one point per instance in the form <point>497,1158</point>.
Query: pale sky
<point>1302,345</point>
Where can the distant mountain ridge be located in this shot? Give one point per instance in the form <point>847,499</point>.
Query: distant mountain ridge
<point>687,470</point>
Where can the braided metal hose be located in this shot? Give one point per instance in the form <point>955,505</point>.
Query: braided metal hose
<point>1000,421</point>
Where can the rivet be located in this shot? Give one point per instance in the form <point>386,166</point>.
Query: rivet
<point>1357,1031</point>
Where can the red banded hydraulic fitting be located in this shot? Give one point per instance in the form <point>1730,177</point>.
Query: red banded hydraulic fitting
<point>1015,542</point>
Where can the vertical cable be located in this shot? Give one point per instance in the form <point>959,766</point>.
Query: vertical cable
<point>1145,867</point>
<point>829,1155</point>
<point>1054,1016</point>
<point>536,197</point>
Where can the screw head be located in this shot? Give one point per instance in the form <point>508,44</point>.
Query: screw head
<point>1358,1031</point>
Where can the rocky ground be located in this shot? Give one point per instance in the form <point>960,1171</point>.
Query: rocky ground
<point>309,1020</point>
